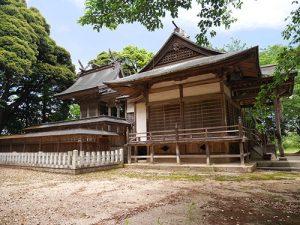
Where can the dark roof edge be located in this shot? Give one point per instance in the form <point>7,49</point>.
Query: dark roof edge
<point>233,54</point>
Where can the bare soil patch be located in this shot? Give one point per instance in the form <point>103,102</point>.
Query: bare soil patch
<point>132,196</point>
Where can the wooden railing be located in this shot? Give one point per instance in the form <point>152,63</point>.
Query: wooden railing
<point>229,133</point>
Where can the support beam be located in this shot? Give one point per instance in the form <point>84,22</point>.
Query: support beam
<point>177,153</point>
<point>152,154</point>
<point>135,154</point>
<point>207,154</point>
<point>277,105</point>
<point>242,157</point>
<point>129,154</point>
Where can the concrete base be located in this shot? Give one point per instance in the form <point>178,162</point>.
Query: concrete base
<point>230,167</point>
<point>279,165</point>
<point>67,171</point>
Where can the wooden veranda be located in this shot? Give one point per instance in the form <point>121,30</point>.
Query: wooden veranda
<point>210,135</point>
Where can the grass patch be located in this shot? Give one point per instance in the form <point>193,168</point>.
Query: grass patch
<point>167,176</point>
<point>259,176</point>
<point>291,150</point>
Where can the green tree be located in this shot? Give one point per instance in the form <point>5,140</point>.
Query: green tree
<point>270,54</point>
<point>32,69</point>
<point>234,45</point>
<point>111,13</point>
<point>131,57</point>
<point>74,112</point>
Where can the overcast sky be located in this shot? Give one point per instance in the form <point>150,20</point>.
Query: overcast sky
<point>260,22</point>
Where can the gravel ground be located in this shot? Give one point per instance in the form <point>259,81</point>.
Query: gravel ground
<point>142,197</point>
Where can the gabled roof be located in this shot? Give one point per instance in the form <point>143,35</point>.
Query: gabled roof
<point>249,57</point>
<point>91,79</point>
<point>180,46</point>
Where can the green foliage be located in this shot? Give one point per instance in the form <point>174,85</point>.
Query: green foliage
<point>32,69</point>
<point>74,111</point>
<point>291,140</point>
<point>287,60</point>
<point>292,30</point>
<point>132,58</point>
<point>270,54</point>
<point>112,13</point>
<point>234,45</point>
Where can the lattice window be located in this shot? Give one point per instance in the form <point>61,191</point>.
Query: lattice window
<point>176,55</point>
<point>164,117</point>
<point>206,113</point>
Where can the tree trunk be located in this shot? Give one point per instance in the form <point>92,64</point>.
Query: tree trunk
<point>278,115</point>
<point>1,119</point>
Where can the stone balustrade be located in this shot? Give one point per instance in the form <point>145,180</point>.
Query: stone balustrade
<point>67,160</point>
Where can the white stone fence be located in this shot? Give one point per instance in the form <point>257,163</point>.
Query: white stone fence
<point>66,160</point>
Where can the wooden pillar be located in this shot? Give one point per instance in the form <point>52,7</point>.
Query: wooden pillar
<point>177,153</point>
<point>277,105</point>
<point>129,154</point>
<point>207,154</point>
<point>241,144</point>
<point>152,154</point>
<point>135,154</point>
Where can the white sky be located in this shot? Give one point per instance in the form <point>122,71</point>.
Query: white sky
<point>254,14</point>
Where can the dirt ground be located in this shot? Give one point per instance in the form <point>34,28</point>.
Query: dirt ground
<point>139,197</point>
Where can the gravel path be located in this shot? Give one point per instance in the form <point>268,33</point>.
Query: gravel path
<point>130,196</point>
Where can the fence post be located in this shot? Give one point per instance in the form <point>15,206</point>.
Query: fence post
<point>121,155</point>
<point>112,156</point>
<point>93,161</point>
<point>108,157</point>
<point>103,156</point>
<point>74,159</point>
<point>88,159</point>
<point>98,158</point>
<point>82,158</point>
<point>69,159</point>
<point>116,156</point>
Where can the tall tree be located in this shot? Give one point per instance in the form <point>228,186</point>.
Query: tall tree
<point>32,68</point>
<point>132,58</point>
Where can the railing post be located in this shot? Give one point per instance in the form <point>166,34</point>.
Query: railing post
<point>240,126</point>
<point>152,154</point>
